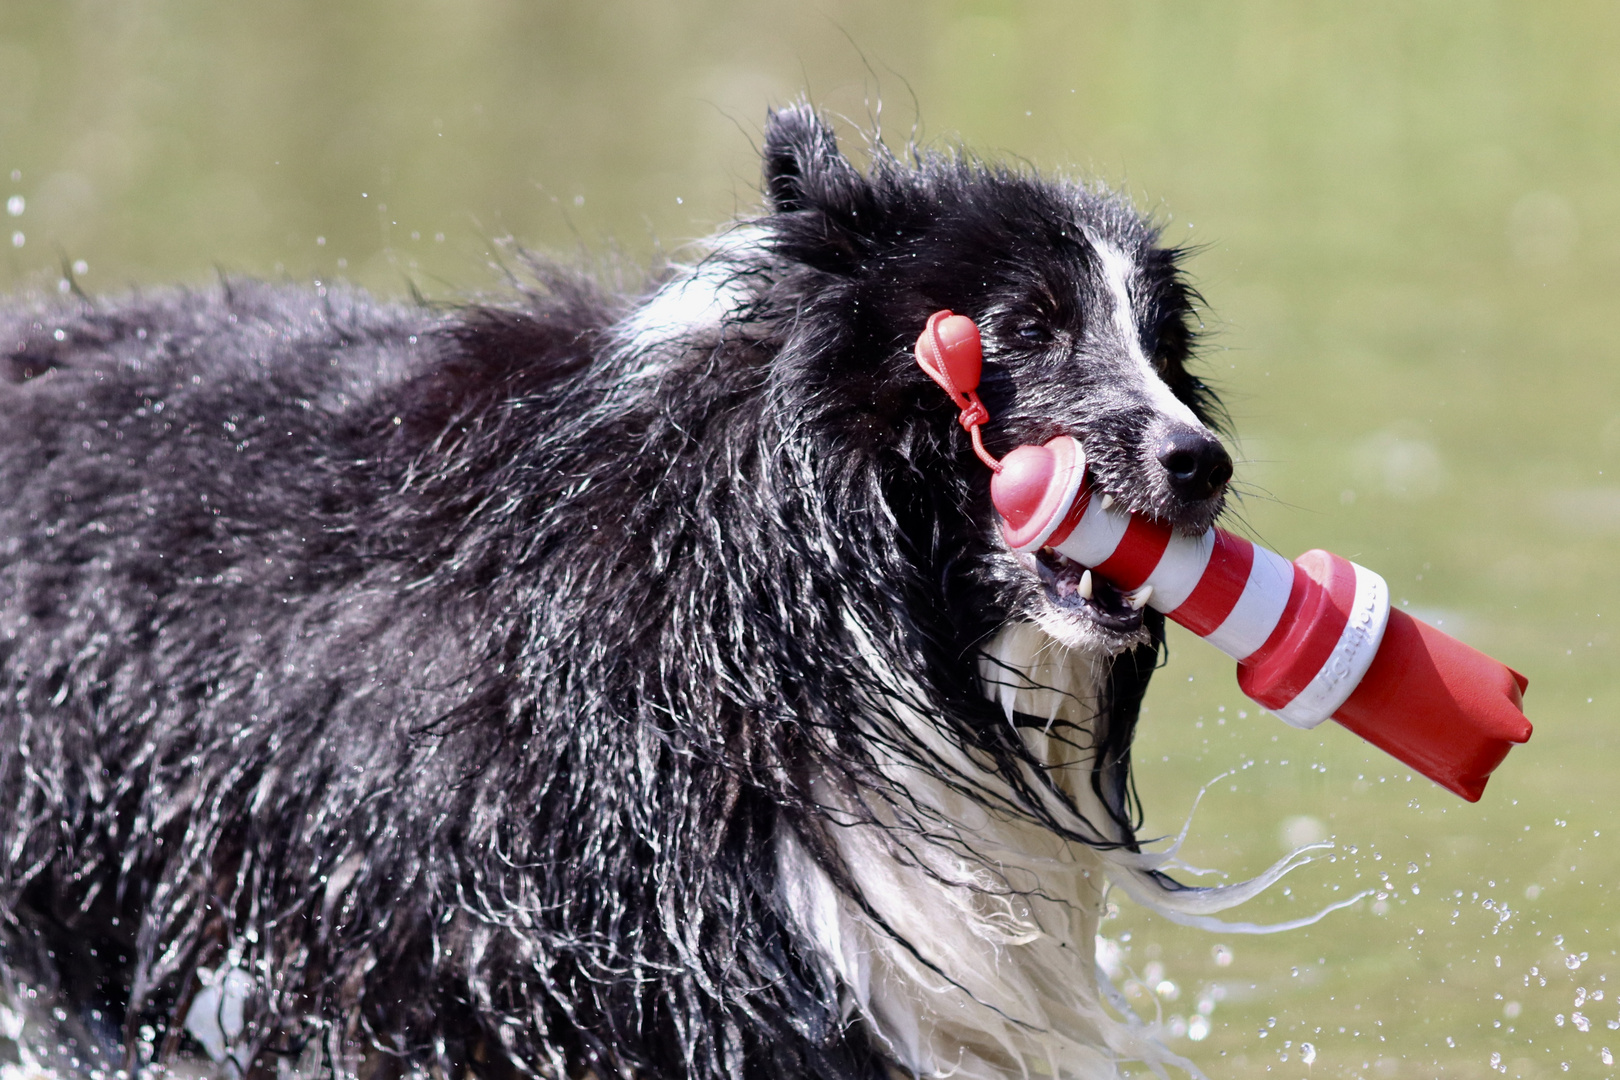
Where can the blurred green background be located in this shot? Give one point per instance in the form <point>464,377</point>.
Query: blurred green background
<point>1409,231</point>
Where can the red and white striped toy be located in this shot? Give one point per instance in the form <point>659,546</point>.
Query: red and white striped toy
<point>1315,638</point>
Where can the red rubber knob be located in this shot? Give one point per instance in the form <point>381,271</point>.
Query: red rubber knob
<point>1020,487</point>
<point>963,355</point>
<point>1035,489</point>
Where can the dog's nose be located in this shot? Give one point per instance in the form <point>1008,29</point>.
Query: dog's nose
<point>1195,461</point>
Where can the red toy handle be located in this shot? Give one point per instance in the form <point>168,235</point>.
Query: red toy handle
<point>1449,711</point>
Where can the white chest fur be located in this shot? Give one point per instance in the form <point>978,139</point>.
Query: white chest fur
<point>987,968</point>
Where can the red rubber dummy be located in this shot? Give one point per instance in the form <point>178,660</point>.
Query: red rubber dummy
<point>1313,639</point>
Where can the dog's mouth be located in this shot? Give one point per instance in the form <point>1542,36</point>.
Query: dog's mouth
<point>1079,594</point>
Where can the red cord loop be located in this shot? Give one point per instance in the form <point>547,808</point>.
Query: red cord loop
<point>975,413</point>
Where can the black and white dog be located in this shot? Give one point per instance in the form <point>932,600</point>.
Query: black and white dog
<point>591,685</point>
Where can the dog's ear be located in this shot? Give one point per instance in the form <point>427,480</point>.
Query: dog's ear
<point>804,169</point>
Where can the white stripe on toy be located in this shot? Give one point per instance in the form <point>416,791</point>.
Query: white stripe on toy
<point>1352,655</point>
<point>1175,578</point>
<point>1258,610</point>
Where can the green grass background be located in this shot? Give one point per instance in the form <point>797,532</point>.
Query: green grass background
<point>1409,228</point>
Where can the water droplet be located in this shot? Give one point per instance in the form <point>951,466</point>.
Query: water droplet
<point>1572,961</point>
<point>1301,831</point>
<point>1307,1053</point>
<point>1608,1058</point>
<point>1198,1029</point>
<point>15,206</point>
<point>1222,956</point>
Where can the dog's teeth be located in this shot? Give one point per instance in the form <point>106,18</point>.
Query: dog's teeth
<point>1140,597</point>
<point>1107,501</point>
<point>1085,585</point>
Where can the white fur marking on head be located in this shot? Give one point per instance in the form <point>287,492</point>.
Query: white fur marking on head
<point>698,298</point>
<point>694,301</point>
<point>1117,270</point>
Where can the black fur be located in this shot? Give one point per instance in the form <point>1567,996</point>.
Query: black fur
<point>451,671</point>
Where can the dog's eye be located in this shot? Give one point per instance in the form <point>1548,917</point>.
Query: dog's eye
<point>1034,333</point>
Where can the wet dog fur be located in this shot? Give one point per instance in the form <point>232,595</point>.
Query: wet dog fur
<point>590,682</point>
